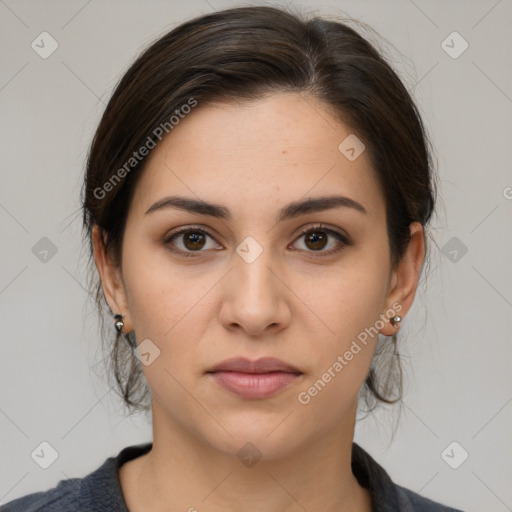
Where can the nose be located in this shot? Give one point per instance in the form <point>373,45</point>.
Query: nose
<point>255,297</point>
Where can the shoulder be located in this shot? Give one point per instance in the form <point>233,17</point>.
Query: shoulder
<point>387,496</point>
<point>65,496</point>
<point>96,492</point>
<point>99,491</point>
<point>412,502</point>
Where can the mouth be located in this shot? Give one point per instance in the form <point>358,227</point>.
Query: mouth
<point>262,365</point>
<point>258,379</point>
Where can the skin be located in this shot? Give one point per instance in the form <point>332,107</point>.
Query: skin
<point>291,303</point>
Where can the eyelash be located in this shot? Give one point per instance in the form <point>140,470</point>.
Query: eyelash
<point>320,227</point>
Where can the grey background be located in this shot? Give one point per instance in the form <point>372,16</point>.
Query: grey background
<point>459,344</point>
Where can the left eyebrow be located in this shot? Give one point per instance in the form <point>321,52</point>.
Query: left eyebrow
<point>290,211</point>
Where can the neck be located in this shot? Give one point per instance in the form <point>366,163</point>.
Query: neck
<point>182,473</point>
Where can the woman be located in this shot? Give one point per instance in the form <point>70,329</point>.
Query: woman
<point>256,201</point>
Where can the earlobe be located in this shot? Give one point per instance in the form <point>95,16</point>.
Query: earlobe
<point>405,280</point>
<point>111,281</point>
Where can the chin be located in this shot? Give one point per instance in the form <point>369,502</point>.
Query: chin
<point>253,436</point>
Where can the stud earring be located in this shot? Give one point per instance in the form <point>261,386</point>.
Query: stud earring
<point>396,320</point>
<point>119,324</point>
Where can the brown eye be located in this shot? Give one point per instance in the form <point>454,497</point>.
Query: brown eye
<point>316,240</point>
<point>190,240</point>
<point>193,240</point>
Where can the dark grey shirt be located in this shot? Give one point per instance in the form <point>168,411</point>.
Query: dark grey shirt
<point>100,491</point>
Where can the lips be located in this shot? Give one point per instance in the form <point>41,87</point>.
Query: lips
<point>262,365</point>
<point>258,379</point>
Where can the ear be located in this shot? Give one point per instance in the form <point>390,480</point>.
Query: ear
<point>111,280</point>
<point>404,279</point>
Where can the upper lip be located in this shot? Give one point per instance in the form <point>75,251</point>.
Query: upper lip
<point>262,365</point>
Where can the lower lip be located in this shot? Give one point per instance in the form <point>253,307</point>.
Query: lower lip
<point>254,385</point>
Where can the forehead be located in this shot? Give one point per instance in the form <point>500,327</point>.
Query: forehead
<point>249,153</point>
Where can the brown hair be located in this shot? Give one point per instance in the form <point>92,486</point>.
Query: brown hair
<point>242,54</point>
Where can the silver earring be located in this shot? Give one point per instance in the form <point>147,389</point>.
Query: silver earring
<point>396,320</point>
<point>119,324</point>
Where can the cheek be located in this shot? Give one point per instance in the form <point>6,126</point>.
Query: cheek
<point>170,306</point>
<point>163,304</point>
<point>349,298</point>
<point>168,312</point>
<point>349,303</point>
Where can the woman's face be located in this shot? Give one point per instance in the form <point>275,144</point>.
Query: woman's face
<point>248,284</point>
